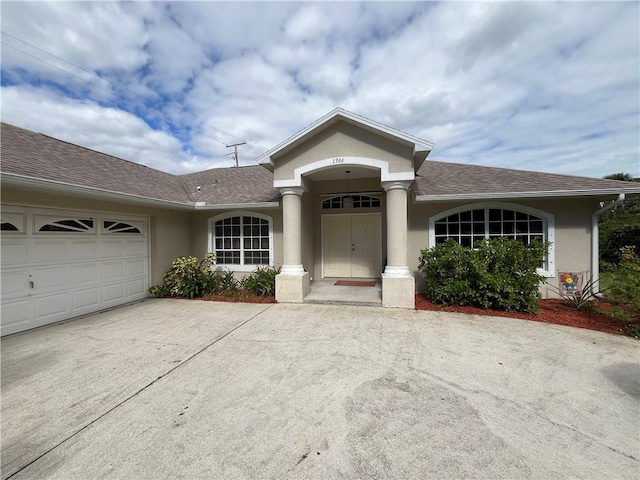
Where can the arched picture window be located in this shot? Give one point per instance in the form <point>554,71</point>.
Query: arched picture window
<point>468,224</point>
<point>242,240</point>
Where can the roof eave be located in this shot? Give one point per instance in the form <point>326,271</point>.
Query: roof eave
<point>236,206</point>
<point>12,179</point>
<point>515,195</point>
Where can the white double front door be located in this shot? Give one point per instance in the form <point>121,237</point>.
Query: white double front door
<point>352,246</point>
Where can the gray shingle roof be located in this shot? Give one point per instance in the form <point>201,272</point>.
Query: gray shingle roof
<point>34,155</point>
<point>223,186</point>
<point>443,181</point>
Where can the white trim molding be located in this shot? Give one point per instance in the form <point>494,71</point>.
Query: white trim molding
<point>548,226</point>
<point>202,206</point>
<point>381,165</point>
<point>516,195</point>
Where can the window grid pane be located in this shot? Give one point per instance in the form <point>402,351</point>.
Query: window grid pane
<point>242,241</point>
<point>353,201</point>
<point>469,226</point>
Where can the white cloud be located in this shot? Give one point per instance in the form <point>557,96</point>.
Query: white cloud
<point>552,86</point>
<point>106,130</point>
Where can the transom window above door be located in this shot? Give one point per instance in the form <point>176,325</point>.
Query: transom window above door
<point>242,240</point>
<point>350,201</point>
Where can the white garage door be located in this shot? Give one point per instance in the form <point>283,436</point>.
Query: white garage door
<point>59,264</point>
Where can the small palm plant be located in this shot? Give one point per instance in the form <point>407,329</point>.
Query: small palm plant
<point>578,298</point>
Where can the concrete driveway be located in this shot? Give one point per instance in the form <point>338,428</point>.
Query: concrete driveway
<point>192,389</point>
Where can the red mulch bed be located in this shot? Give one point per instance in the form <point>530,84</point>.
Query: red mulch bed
<point>243,299</point>
<point>551,311</point>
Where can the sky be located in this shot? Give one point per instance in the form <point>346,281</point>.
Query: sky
<point>545,86</point>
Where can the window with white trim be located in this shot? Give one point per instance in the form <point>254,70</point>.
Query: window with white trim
<point>470,223</point>
<point>12,222</point>
<point>112,226</point>
<point>64,225</point>
<point>240,240</point>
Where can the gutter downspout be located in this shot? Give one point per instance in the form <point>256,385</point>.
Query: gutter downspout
<point>595,249</point>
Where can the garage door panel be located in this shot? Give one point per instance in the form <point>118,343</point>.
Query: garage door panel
<point>48,251</point>
<point>113,293</point>
<point>14,315</point>
<point>88,297</point>
<point>54,277</point>
<point>49,308</point>
<point>83,274</point>
<point>14,283</point>
<point>112,249</point>
<point>136,287</point>
<point>112,270</point>
<point>14,252</point>
<point>135,248</point>
<point>136,267</point>
<point>83,250</point>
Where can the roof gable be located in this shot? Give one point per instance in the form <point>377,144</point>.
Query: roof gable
<point>420,147</point>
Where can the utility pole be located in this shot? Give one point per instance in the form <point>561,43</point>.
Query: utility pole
<point>235,150</point>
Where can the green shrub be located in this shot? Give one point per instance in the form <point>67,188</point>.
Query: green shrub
<point>499,273</point>
<point>624,281</point>
<point>615,238</point>
<point>227,284</point>
<point>188,277</point>
<point>262,282</point>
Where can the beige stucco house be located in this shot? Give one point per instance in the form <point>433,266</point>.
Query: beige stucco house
<point>346,197</point>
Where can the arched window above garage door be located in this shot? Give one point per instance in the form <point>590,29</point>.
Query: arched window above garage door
<point>64,225</point>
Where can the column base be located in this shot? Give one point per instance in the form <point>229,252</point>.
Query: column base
<point>395,272</point>
<point>292,288</point>
<point>398,292</point>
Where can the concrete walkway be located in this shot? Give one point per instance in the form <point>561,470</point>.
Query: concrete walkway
<point>191,389</point>
<point>326,292</point>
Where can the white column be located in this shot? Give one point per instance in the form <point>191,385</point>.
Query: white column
<point>397,265</point>
<point>292,230</point>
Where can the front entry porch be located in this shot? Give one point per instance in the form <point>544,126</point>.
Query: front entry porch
<point>326,292</point>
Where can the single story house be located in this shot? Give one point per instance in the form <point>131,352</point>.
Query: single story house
<point>346,197</point>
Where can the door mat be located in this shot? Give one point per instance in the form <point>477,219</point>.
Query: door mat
<point>355,283</point>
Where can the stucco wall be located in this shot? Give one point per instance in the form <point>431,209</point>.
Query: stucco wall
<point>572,243</point>
<point>169,231</point>
<point>343,140</point>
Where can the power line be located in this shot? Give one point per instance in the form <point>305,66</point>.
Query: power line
<point>192,117</point>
